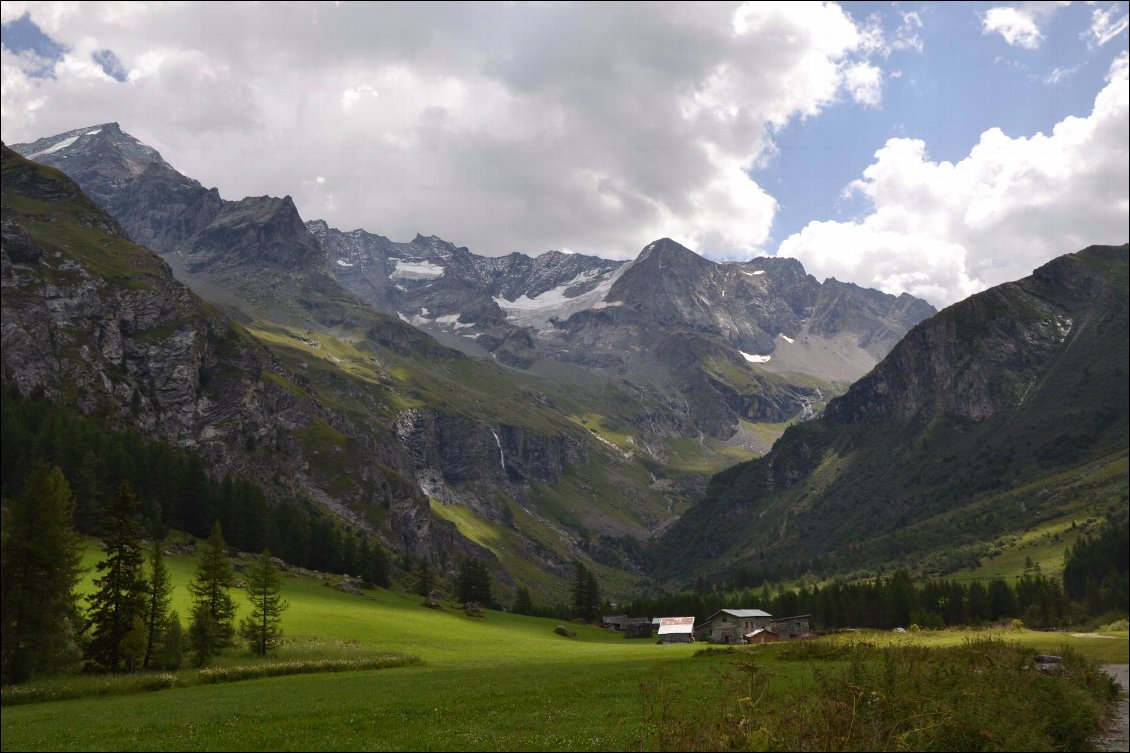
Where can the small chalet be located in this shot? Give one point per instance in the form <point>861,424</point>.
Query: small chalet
<point>613,621</point>
<point>792,627</point>
<point>676,629</point>
<point>761,636</point>
<point>731,625</point>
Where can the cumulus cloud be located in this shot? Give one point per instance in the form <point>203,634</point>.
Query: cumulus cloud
<point>943,231</point>
<point>502,126</point>
<point>1019,25</point>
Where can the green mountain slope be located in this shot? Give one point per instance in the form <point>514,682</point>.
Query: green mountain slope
<point>963,433</point>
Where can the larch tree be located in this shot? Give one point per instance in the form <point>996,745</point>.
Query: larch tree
<point>262,629</point>
<point>119,601</point>
<point>40,558</point>
<point>473,583</point>
<point>210,590</point>
<point>158,600</point>
<point>586,593</point>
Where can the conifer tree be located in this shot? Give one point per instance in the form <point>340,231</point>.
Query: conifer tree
<point>473,583</point>
<point>39,569</point>
<point>203,636</point>
<point>262,628</point>
<point>160,589</point>
<point>523,603</point>
<point>120,597</point>
<point>374,563</point>
<point>210,593</point>
<point>425,578</point>
<point>586,593</point>
<point>170,651</point>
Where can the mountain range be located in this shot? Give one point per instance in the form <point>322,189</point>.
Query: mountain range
<point>533,410</point>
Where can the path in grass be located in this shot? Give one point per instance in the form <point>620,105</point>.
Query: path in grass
<point>1116,734</point>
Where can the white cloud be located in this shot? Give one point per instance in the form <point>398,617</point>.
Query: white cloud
<point>906,37</point>
<point>1105,24</point>
<point>1119,67</point>
<point>942,231</point>
<point>1020,25</point>
<point>1061,73</point>
<point>499,126</point>
<point>865,83</point>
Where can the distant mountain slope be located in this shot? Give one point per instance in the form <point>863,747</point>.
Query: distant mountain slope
<point>758,341</point>
<point>1012,385</point>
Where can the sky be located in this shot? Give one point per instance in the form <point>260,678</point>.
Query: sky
<point>929,148</point>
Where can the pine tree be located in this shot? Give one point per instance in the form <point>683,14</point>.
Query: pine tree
<point>592,606</point>
<point>121,589</point>
<point>170,651</point>
<point>374,563</point>
<point>425,578</point>
<point>39,569</point>
<point>586,593</point>
<point>160,589</point>
<point>202,633</point>
<point>262,629</point>
<point>473,583</point>
<point>523,604</point>
<point>210,591</point>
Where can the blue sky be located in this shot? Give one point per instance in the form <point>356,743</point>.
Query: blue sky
<point>962,82</point>
<point>931,148</point>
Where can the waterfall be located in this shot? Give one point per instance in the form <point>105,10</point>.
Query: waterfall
<point>501,456</point>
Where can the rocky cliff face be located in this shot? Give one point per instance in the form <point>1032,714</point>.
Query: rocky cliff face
<point>1010,386</point>
<point>982,357</point>
<point>253,252</point>
<point>92,319</point>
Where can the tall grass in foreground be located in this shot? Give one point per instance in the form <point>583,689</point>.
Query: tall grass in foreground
<point>984,695</point>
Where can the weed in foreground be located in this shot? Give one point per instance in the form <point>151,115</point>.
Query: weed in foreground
<point>984,695</point>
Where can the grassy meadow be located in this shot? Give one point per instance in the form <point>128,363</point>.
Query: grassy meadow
<point>503,682</point>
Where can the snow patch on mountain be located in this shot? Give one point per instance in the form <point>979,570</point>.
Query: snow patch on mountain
<point>416,270</point>
<point>57,147</point>
<point>755,359</point>
<point>536,312</point>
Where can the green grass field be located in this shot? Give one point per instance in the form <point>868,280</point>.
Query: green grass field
<point>503,682</point>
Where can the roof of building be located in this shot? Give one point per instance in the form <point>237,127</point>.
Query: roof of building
<point>739,613</point>
<point>670,625</point>
<point>752,633</point>
<point>794,617</point>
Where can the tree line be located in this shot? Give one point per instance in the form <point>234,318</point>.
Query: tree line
<point>174,490</point>
<point>895,601</point>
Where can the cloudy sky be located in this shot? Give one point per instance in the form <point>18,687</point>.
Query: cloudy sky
<point>932,148</point>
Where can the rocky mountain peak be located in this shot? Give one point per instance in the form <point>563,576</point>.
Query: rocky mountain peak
<point>665,254</point>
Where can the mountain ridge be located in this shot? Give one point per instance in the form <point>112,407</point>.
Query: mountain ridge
<point>1016,383</point>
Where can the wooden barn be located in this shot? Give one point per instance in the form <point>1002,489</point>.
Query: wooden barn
<point>676,629</point>
<point>637,627</point>
<point>788,628</point>
<point>761,636</point>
